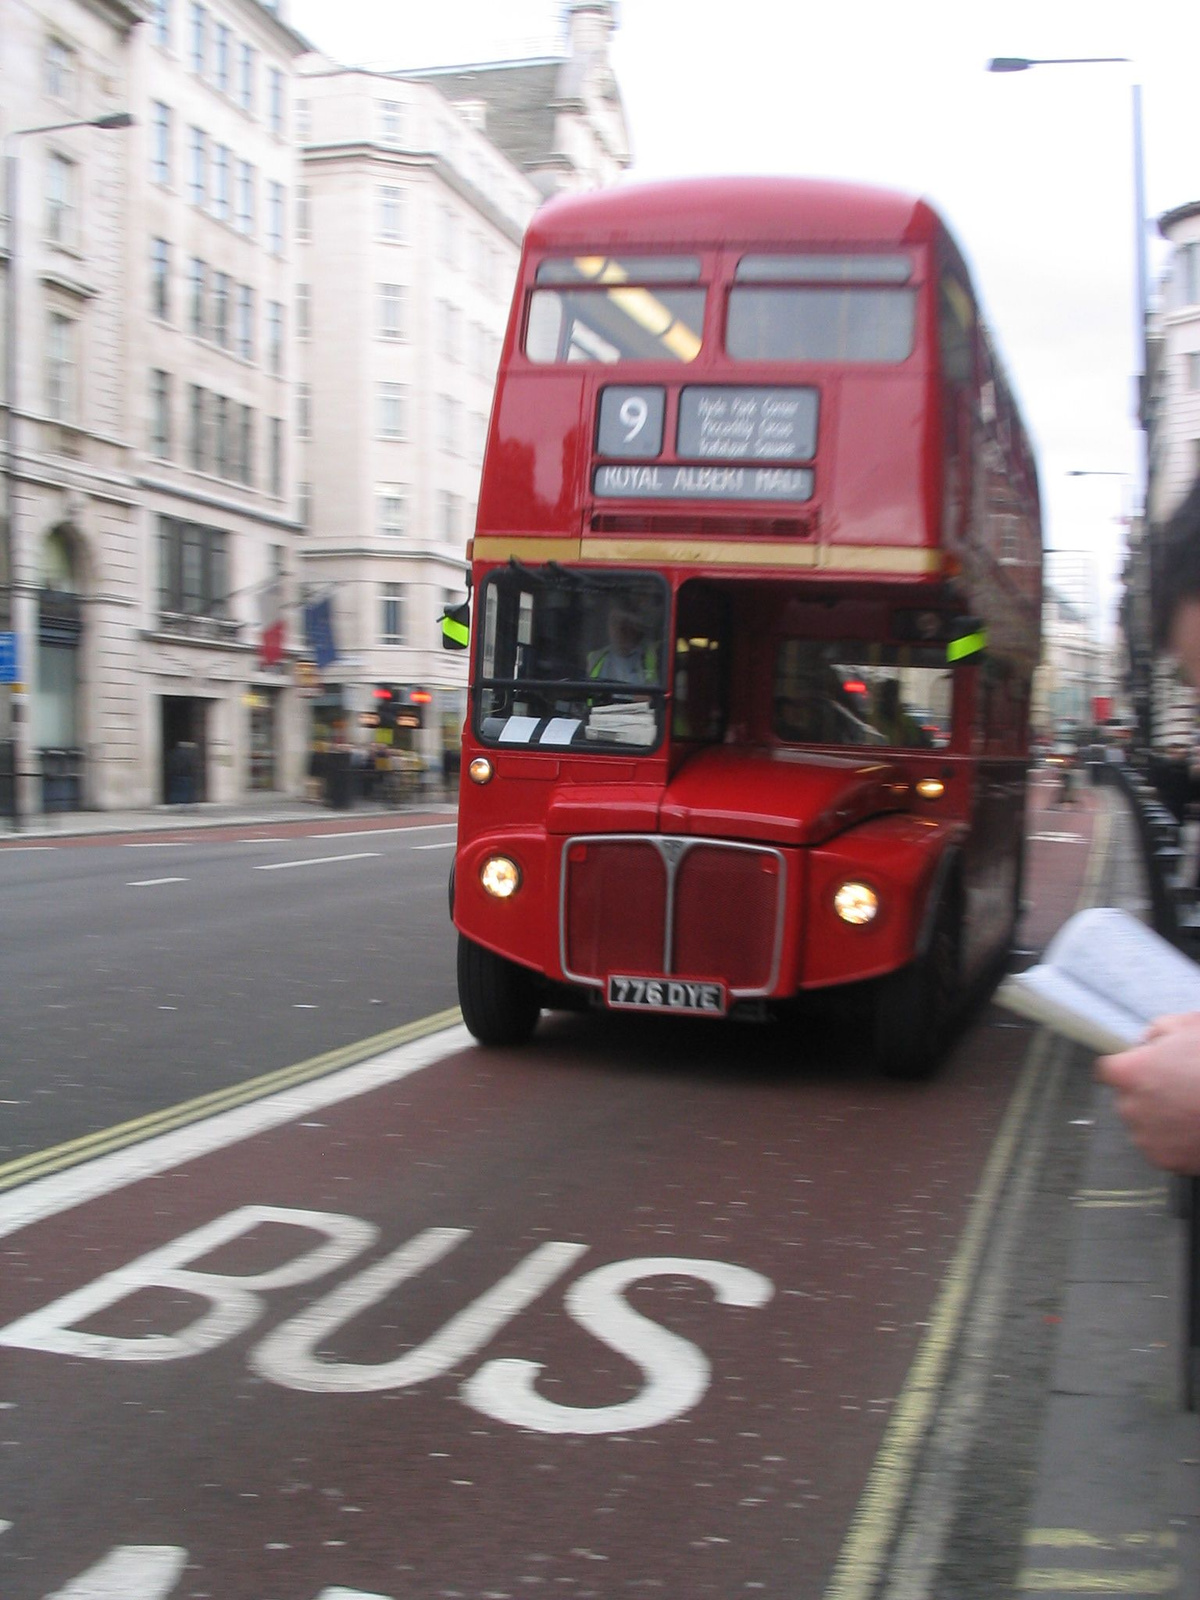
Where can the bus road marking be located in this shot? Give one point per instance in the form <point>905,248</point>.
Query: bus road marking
<point>445,844</point>
<point>152,883</point>
<point>315,861</point>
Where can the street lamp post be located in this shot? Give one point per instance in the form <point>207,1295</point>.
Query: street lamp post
<point>1140,271</point>
<point>17,695</point>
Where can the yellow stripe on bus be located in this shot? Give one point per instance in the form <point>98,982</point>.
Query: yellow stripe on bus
<point>875,558</point>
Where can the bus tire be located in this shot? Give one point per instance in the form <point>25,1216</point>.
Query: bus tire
<point>915,1008</point>
<point>499,1000</point>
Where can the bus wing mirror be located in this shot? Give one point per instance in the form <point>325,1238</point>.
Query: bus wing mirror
<point>456,627</point>
<point>968,637</point>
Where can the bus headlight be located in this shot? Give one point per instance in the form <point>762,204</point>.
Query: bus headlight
<point>931,788</point>
<point>856,903</point>
<point>480,770</point>
<point>500,876</point>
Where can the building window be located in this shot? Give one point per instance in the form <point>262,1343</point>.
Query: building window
<point>451,509</point>
<point>160,415</point>
<point>222,170</point>
<point>275,338</point>
<point>198,429</point>
<point>222,458</point>
<point>302,120</point>
<point>61,367</point>
<point>198,178</point>
<point>162,23</point>
<point>199,38</point>
<point>222,57</point>
<point>275,203</point>
<point>391,410</point>
<point>391,622</point>
<point>392,503</point>
<point>275,101</point>
<point>245,322</point>
<point>391,121</point>
<point>245,94</point>
<point>221,310</point>
<point>303,411</point>
<point>197,286</point>
<point>61,74</point>
<point>245,197</point>
<point>1189,274</point>
<point>192,569</point>
<point>1191,370</point>
<point>303,212</point>
<point>160,143</point>
<point>275,456</point>
<point>304,503</point>
<point>62,223</point>
<point>160,279</point>
<point>245,446</point>
<point>303,311</point>
<point>391,213</point>
<point>391,311</point>
<point>448,410</point>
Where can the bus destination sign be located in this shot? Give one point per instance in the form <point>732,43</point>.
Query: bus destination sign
<point>747,424</point>
<point>664,481</point>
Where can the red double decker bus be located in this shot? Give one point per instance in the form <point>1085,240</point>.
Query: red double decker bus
<point>756,604</point>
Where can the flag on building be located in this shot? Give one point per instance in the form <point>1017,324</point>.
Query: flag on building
<point>318,631</point>
<point>270,610</point>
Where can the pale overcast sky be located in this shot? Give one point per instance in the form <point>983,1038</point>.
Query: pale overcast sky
<point>1033,171</point>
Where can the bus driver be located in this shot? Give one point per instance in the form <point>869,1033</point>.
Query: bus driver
<point>627,657</point>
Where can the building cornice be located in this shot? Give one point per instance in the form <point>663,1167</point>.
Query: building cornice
<point>368,151</point>
<point>214,503</point>
<point>1180,214</point>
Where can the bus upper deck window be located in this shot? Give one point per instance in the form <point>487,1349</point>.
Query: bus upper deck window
<point>610,309</point>
<point>840,308</point>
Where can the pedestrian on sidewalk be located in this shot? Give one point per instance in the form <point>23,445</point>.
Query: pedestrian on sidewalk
<point>1157,1083</point>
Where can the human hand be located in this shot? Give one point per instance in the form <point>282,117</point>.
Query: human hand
<point>1157,1086</point>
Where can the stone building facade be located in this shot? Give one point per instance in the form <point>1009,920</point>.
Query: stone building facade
<point>253,337</point>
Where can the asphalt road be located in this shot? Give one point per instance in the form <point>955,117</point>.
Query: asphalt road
<point>648,1307</point>
<point>138,973</point>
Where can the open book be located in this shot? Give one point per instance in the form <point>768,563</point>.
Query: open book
<point>1103,979</point>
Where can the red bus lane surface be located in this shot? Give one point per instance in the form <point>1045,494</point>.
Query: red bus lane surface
<point>625,1312</point>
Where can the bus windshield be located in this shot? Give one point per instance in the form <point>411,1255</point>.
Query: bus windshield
<point>571,658</point>
<point>855,693</point>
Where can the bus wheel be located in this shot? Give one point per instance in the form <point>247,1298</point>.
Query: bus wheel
<point>499,1000</point>
<point>915,1007</point>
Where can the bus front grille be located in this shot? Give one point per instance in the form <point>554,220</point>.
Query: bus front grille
<point>671,906</point>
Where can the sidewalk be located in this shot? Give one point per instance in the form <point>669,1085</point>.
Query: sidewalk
<point>250,811</point>
<point>1116,1505</point>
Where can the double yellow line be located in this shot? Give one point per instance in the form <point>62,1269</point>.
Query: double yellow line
<point>41,1163</point>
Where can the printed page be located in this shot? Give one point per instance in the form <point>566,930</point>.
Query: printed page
<point>1049,996</point>
<point>1120,960</point>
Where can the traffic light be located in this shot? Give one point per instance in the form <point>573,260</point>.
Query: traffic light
<point>385,701</point>
<point>411,711</point>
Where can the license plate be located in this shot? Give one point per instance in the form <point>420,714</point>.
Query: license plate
<point>666,994</point>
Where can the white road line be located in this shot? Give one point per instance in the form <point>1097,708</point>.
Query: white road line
<point>371,833</point>
<point>443,844</point>
<point>11,849</point>
<point>315,861</point>
<point>151,883</point>
<point>47,1197</point>
<point>157,844</point>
